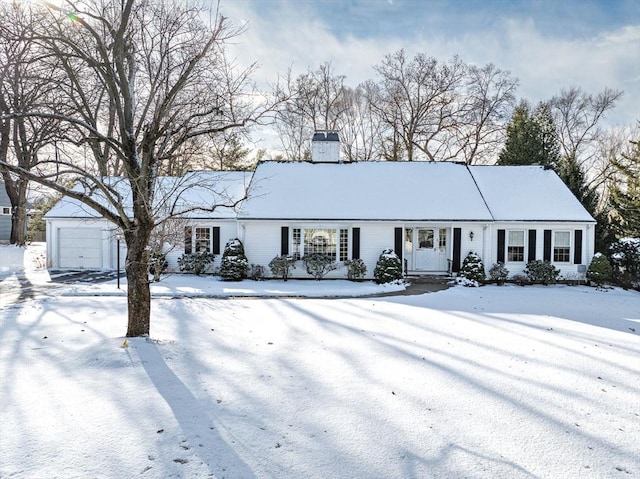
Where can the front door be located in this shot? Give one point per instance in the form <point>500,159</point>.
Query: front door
<point>430,252</point>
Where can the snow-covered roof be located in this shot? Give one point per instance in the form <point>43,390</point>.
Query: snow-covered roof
<point>377,191</point>
<point>527,193</point>
<point>202,189</point>
<point>364,191</point>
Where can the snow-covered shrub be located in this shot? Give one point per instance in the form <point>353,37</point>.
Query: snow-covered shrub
<point>234,263</point>
<point>157,265</point>
<point>281,266</point>
<point>498,273</point>
<point>600,270</point>
<point>472,270</point>
<point>196,263</point>
<point>356,269</point>
<point>625,259</point>
<point>388,268</point>
<point>319,264</point>
<point>541,272</point>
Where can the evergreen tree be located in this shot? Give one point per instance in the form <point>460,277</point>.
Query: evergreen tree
<point>624,197</point>
<point>531,137</point>
<point>549,154</point>
<point>520,145</point>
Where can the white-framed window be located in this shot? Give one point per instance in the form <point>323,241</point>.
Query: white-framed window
<point>202,240</point>
<point>297,244</point>
<point>562,246</point>
<point>320,241</point>
<point>515,246</point>
<point>6,210</point>
<point>344,244</point>
<point>331,241</point>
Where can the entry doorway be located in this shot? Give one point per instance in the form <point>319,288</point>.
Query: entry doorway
<point>427,249</point>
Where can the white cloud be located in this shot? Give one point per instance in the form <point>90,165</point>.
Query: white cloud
<point>292,36</point>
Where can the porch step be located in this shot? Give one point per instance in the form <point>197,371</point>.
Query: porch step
<point>443,278</point>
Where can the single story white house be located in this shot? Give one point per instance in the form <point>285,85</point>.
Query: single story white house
<point>431,213</point>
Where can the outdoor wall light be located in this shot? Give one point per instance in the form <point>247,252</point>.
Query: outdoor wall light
<point>471,235</point>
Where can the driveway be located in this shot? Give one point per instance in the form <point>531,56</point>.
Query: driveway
<point>18,288</point>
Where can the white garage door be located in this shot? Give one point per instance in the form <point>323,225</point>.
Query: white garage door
<point>80,247</point>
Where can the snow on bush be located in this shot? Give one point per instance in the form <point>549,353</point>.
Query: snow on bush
<point>234,263</point>
<point>319,264</point>
<point>356,269</point>
<point>498,273</point>
<point>281,266</point>
<point>388,268</point>
<point>195,263</point>
<point>472,271</point>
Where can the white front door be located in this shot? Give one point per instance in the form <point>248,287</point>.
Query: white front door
<point>429,248</point>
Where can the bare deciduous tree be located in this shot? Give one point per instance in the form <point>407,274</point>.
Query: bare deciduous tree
<point>315,100</point>
<point>142,79</point>
<point>24,85</point>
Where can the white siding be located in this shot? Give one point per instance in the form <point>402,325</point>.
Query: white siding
<point>568,270</point>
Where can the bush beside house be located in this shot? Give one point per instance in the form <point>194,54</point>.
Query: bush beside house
<point>472,270</point>
<point>234,263</point>
<point>388,268</point>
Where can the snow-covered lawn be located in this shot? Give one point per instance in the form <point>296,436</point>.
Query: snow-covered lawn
<point>491,382</point>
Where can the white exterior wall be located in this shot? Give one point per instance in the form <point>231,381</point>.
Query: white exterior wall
<point>262,241</point>
<point>108,255</point>
<point>228,231</point>
<point>568,270</point>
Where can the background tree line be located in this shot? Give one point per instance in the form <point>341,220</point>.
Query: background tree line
<point>104,98</point>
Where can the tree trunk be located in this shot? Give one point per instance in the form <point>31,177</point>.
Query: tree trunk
<point>19,217</point>
<point>138,292</point>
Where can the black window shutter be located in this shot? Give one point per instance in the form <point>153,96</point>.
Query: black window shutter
<point>355,243</point>
<point>284,241</point>
<point>216,240</point>
<point>577,245</point>
<point>532,245</point>
<point>457,251</point>
<point>187,240</point>
<point>501,240</point>
<point>398,243</point>
<point>547,245</point>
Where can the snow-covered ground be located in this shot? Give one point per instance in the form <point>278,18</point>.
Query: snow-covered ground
<point>491,382</point>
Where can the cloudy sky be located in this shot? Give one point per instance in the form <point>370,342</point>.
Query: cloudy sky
<point>547,44</point>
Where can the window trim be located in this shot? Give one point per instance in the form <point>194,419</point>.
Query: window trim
<point>343,236</point>
<point>555,248</point>
<point>5,210</point>
<point>521,248</point>
<point>196,239</point>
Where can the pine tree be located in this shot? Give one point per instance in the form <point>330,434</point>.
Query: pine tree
<point>520,144</point>
<point>624,197</point>
<point>549,145</point>
<point>531,137</point>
